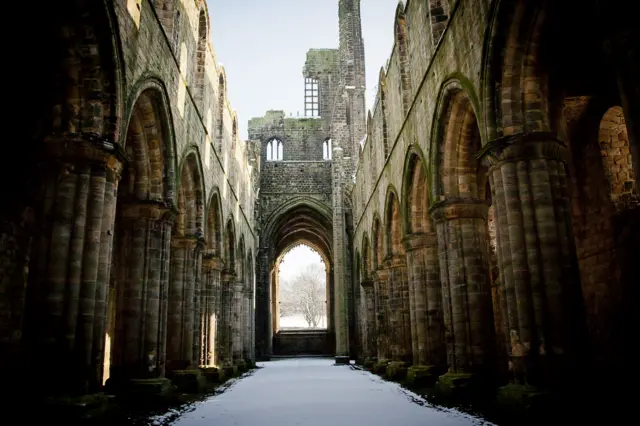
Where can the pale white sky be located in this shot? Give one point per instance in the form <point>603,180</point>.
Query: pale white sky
<point>263,44</point>
<point>296,260</point>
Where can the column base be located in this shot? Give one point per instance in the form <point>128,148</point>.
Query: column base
<point>229,371</point>
<point>369,363</point>
<point>148,387</point>
<point>76,407</point>
<point>396,370</point>
<point>241,364</point>
<point>213,375</point>
<point>342,360</point>
<point>523,398</point>
<point>380,367</point>
<point>456,384</point>
<point>421,375</point>
<point>189,381</point>
<point>249,363</point>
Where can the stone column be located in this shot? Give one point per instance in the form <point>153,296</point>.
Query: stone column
<point>225,331</point>
<point>71,262</point>
<point>536,254</point>
<point>247,323</point>
<point>369,319</point>
<point>466,291</point>
<point>210,308</point>
<point>425,289</point>
<point>381,291</point>
<point>184,294</point>
<point>399,309</point>
<point>237,319</point>
<point>142,280</point>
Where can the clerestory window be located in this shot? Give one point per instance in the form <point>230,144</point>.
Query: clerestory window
<point>275,150</point>
<point>311,98</point>
<point>326,149</point>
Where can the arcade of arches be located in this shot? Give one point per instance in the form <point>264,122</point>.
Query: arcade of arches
<point>480,225</point>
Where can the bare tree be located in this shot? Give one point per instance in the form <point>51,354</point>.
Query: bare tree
<point>305,295</point>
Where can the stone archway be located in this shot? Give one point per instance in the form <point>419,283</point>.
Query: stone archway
<point>296,223</point>
<point>57,211</point>
<point>185,285</point>
<point>395,263</point>
<point>460,218</point>
<point>136,315</point>
<point>421,244</point>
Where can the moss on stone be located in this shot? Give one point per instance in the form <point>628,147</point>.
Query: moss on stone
<point>452,384</point>
<point>396,370</point>
<point>369,363</point>
<point>421,375</point>
<point>380,367</point>
<point>522,398</point>
<point>189,381</point>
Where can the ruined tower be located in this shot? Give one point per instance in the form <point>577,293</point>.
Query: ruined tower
<point>307,169</point>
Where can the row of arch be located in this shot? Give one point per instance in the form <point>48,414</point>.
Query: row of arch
<point>486,258</point>
<point>169,14</point>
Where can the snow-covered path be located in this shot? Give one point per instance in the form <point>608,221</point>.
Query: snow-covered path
<point>314,392</point>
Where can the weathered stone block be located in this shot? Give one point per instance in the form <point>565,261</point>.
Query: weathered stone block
<point>396,370</point>
<point>421,375</point>
<point>189,381</point>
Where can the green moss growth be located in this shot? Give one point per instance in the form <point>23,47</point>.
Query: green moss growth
<point>522,398</point>
<point>396,370</point>
<point>452,384</point>
<point>369,363</point>
<point>421,375</point>
<point>380,367</point>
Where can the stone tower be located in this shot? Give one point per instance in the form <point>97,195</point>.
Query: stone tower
<point>307,170</point>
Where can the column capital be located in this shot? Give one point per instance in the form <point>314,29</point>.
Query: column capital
<point>524,146</point>
<point>85,147</point>
<point>149,209</point>
<point>381,274</point>
<point>420,240</point>
<point>457,208</point>
<point>367,284</point>
<point>211,261</point>
<point>185,241</point>
<point>228,276</point>
<point>395,261</point>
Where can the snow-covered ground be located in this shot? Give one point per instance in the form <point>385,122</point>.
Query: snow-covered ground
<point>315,392</point>
<point>297,321</point>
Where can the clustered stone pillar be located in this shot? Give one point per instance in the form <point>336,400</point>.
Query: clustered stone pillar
<point>426,308</point>
<point>210,308</point>
<point>542,301</point>
<point>183,347</point>
<point>369,319</point>
<point>71,262</point>
<point>399,309</point>
<point>246,327</point>
<point>381,289</point>
<point>466,291</point>
<point>225,330</point>
<point>237,319</point>
<point>142,280</point>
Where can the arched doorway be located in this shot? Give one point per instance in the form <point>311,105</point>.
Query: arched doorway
<point>307,223</point>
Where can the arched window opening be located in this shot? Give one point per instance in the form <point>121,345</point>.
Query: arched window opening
<point>176,30</point>
<point>201,58</point>
<point>302,290</point>
<point>616,157</point>
<point>327,149</point>
<point>275,150</point>
<point>439,15</point>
